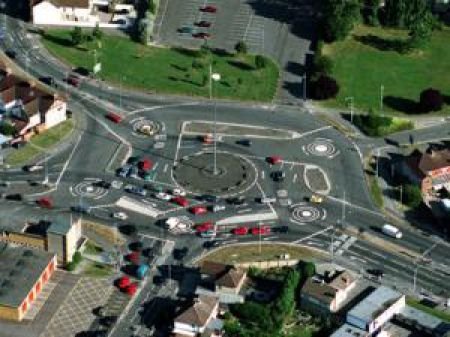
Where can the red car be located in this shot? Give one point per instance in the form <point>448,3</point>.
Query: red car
<point>113,117</point>
<point>145,165</point>
<point>240,231</point>
<point>198,210</point>
<point>262,230</point>
<point>208,9</point>
<point>183,202</point>
<point>131,289</point>
<point>45,202</point>
<point>203,227</point>
<point>204,24</point>
<point>201,35</point>
<point>123,282</point>
<point>274,160</point>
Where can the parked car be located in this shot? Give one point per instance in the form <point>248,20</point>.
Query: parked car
<point>134,172</point>
<point>124,171</point>
<point>120,215</point>
<point>133,160</point>
<point>203,24</point>
<point>179,192</point>
<point>278,176</point>
<point>103,184</point>
<point>145,164</point>
<point>201,35</point>
<point>260,230</point>
<point>274,160</point>
<point>136,190</point>
<point>240,231</point>
<point>375,272</point>
<point>280,229</point>
<point>14,197</point>
<point>218,208</point>
<point>208,234</point>
<point>391,231</point>
<point>163,196</point>
<point>114,117</point>
<point>209,198</point>
<point>45,202</point>
<point>267,200</point>
<point>236,200</point>
<point>208,9</point>
<point>33,168</point>
<point>179,200</point>
<point>244,142</point>
<point>198,210</point>
<point>50,81</point>
<point>73,80</point>
<point>11,53</point>
<point>203,227</point>
<point>185,30</point>
<point>82,71</point>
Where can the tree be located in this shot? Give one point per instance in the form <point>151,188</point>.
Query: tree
<point>151,6</point>
<point>323,64</point>
<point>371,12</point>
<point>241,47</point>
<point>77,257</point>
<point>431,100</point>
<point>412,195</point>
<point>339,17</point>
<point>260,62</point>
<point>97,33</point>
<point>420,31</point>
<point>325,87</point>
<point>7,129</point>
<point>308,269</point>
<point>76,36</point>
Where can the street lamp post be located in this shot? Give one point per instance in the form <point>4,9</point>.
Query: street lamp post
<point>419,259</point>
<point>350,100</point>
<point>214,77</point>
<point>381,97</point>
<point>304,87</point>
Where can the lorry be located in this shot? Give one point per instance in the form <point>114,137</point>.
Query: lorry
<point>391,231</point>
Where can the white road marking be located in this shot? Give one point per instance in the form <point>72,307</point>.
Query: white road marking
<point>247,218</point>
<point>165,168</point>
<point>295,178</point>
<point>244,210</point>
<point>316,130</point>
<point>291,167</point>
<point>262,174</point>
<point>313,235</point>
<point>155,166</point>
<point>66,164</point>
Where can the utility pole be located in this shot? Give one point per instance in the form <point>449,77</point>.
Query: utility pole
<point>350,100</point>
<point>420,259</point>
<point>214,77</point>
<point>343,210</point>
<point>381,97</point>
<point>304,87</point>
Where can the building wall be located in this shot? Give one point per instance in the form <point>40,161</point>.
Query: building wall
<point>395,308</point>
<point>55,244</point>
<point>24,239</point>
<point>56,114</point>
<point>71,240</point>
<point>46,13</point>
<point>34,121</point>
<point>9,313</point>
<point>313,305</point>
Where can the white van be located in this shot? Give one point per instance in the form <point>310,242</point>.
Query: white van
<point>391,231</point>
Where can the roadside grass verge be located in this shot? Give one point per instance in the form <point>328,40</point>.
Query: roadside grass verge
<point>268,252</point>
<point>364,62</point>
<point>168,70</point>
<point>433,312</point>
<point>40,142</point>
<point>375,191</point>
<point>96,269</point>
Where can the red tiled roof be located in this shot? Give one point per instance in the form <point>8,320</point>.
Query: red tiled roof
<point>200,312</point>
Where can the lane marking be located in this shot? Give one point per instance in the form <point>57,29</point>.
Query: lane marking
<point>66,164</point>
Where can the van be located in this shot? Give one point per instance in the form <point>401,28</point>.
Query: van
<point>267,200</point>
<point>391,231</point>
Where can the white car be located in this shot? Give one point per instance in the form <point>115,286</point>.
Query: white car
<point>179,192</point>
<point>218,208</point>
<point>163,196</point>
<point>117,184</point>
<point>159,145</point>
<point>120,215</point>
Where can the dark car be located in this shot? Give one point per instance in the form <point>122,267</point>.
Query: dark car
<point>108,321</point>
<point>73,80</point>
<point>180,253</point>
<point>103,184</point>
<point>82,71</point>
<point>278,176</point>
<point>210,198</point>
<point>208,9</point>
<point>14,197</point>
<point>244,142</point>
<point>210,244</point>
<point>280,229</point>
<point>185,30</point>
<point>203,23</point>
<point>201,35</point>
<point>80,209</point>
<point>50,81</point>
<point>375,272</point>
<point>236,200</point>
<point>11,53</point>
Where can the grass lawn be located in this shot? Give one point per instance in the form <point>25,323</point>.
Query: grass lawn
<point>168,70</point>
<point>92,248</point>
<point>362,65</point>
<point>250,253</point>
<point>445,316</point>
<point>97,270</point>
<point>44,140</point>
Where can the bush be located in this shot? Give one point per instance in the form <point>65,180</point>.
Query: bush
<point>97,32</point>
<point>77,257</point>
<point>7,129</point>
<point>323,64</point>
<point>412,195</point>
<point>70,266</point>
<point>325,87</point>
<point>241,47</point>
<point>76,36</point>
<point>260,62</point>
<point>431,100</point>
<point>308,269</point>
<point>196,64</point>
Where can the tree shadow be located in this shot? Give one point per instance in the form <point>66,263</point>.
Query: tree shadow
<point>295,68</point>
<point>58,40</point>
<point>188,52</point>
<point>240,65</point>
<point>177,67</point>
<point>397,45</point>
<point>401,104</point>
<point>446,99</point>
<point>294,88</point>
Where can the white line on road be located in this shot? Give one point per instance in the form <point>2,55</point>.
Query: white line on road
<point>165,168</point>
<point>66,164</point>
<point>155,166</point>
<point>313,235</point>
<point>291,167</point>
<point>295,178</point>
<point>316,130</point>
<point>262,174</point>
<point>244,210</point>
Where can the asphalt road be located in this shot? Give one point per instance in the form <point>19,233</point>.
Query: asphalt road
<point>102,146</point>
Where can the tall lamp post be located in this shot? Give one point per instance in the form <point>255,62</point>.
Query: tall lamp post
<point>350,101</point>
<point>214,77</point>
<point>417,264</point>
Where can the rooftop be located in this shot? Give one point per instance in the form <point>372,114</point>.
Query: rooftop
<point>199,313</point>
<point>348,330</point>
<point>20,268</point>
<point>369,308</point>
<point>319,290</point>
<point>60,226</point>
<point>224,275</point>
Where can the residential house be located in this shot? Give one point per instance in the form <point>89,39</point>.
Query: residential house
<point>223,278</point>
<point>327,293</point>
<point>27,106</point>
<point>63,12</point>
<point>196,319</point>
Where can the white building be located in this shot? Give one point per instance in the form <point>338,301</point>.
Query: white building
<point>65,12</point>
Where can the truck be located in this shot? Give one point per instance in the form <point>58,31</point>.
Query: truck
<point>391,231</point>
<point>178,224</point>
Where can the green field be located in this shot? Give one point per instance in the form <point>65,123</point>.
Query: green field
<point>365,61</point>
<point>167,70</point>
<point>445,316</point>
<point>45,140</point>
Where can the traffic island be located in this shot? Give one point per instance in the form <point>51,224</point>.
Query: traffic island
<point>234,174</point>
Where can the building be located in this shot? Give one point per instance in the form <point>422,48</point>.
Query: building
<point>64,237</point>
<point>63,12</point>
<point>27,107</point>
<point>23,274</point>
<point>327,293</point>
<point>348,330</point>
<point>376,309</point>
<point>223,278</point>
<point>195,319</point>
